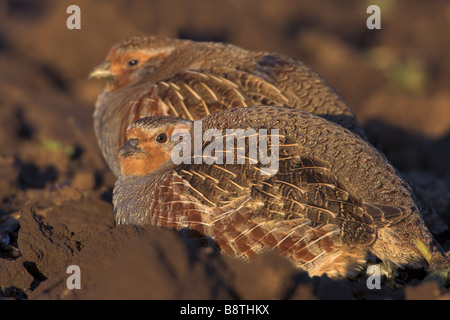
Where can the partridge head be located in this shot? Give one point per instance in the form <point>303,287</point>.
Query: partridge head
<point>149,147</point>
<point>125,61</point>
<point>149,75</point>
<point>332,201</point>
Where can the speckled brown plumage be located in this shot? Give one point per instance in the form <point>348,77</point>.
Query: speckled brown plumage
<point>150,75</point>
<point>333,200</point>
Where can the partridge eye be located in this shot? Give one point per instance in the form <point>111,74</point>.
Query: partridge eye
<point>133,62</point>
<point>161,138</point>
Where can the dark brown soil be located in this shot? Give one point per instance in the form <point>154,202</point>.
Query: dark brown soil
<point>52,175</point>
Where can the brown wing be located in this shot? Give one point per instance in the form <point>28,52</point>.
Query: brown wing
<point>237,223</point>
<point>195,94</point>
<point>179,202</point>
<point>309,189</point>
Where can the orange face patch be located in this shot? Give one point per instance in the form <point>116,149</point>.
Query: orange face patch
<point>120,65</point>
<point>143,165</point>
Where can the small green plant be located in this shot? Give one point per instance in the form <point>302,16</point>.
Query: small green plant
<point>407,74</point>
<point>55,145</point>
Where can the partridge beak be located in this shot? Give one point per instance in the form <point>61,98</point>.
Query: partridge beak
<point>102,71</point>
<point>130,148</point>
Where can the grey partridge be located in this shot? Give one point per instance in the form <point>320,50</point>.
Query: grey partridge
<point>331,200</point>
<point>150,75</point>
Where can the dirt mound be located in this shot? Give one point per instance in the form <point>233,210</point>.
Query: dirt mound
<point>132,262</point>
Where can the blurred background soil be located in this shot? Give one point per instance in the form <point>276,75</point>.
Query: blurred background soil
<point>396,80</point>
